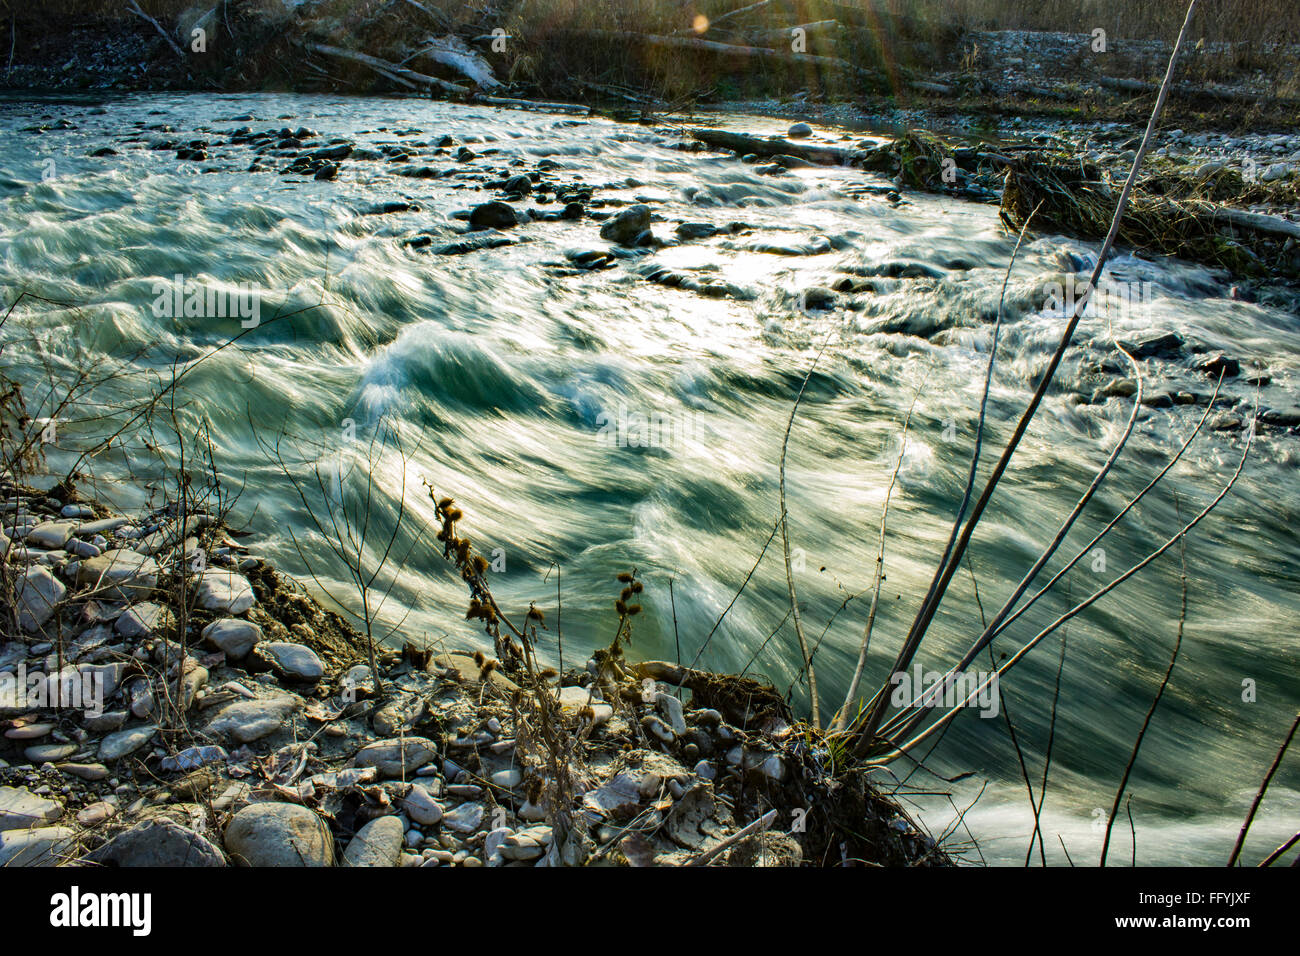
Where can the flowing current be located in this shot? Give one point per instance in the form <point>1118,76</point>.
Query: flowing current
<point>595,409</point>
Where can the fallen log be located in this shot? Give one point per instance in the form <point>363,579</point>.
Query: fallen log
<point>744,143</point>
<point>455,54</point>
<point>385,68</point>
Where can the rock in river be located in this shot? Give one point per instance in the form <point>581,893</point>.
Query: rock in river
<point>626,228</point>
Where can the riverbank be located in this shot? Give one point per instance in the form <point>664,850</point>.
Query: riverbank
<point>223,717</point>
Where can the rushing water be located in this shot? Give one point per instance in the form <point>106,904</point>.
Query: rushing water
<point>505,373</point>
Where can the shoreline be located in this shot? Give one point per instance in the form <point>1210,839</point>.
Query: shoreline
<point>256,723</point>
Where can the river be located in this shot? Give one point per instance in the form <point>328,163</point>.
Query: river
<point>599,419</point>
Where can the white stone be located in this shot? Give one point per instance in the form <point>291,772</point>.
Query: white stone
<point>296,661</point>
<point>20,809</point>
<point>44,846</point>
<point>224,592</point>
<point>51,534</point>
<point>279,834</point>
<point>249,720</point>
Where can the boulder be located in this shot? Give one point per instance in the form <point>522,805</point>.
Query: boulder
<point>158,842</point>
<point>279,834</point>
<point>493,215</point>
<point>627,227</point>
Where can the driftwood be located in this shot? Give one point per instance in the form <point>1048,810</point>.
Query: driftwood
<point>135,8</point>
<point>390,70</point>
<point>776,146</point>
<point>536,105</point>
<point>455,54</point>
<point>1140,87</point>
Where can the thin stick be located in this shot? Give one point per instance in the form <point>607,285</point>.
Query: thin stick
<point>842,719</point>
<point>1277,854</point>
<point>814,704</point>
<point>762,823</point>
<point>1047,758</point>
<point>1259,797</point>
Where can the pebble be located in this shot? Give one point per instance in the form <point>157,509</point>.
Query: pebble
<point>43,846</point>
<point>224,592</point>
<point>421,807</point>
<point>466,818</point>
<point>394,758</point>
<point>159,842</point>
<point>119,574</point>
<point>123,742</point>
<point>249,720</point>
<point>95,813</point>
<point>48,753</point>
<point>294,661</point>
<point>507,779</point>
<point>378,843</point>
<point>233,636</point>
<point>51,534</point>
<point>141,620</point>
<point>37,592</point>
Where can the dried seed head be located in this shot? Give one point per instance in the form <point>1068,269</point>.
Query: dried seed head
<point>636,587</point>
<point>634,609</point>
<point>625,578</point>
<point>620,606</point>
<point>479,659</point>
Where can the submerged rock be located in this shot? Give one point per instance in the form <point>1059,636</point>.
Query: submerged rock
<point>628,226</point>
